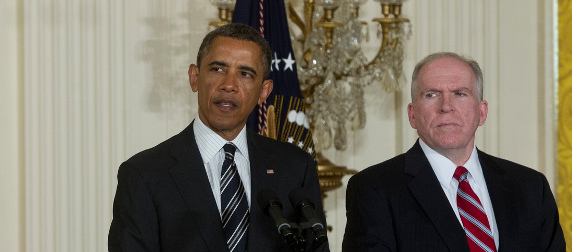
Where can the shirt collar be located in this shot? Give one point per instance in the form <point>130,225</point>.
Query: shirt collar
<point>210,143</point>
<point>445,168</point>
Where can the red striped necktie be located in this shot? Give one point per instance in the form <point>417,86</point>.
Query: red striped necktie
<point>473,215</point>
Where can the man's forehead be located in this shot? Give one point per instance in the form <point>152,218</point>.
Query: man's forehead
<point>440,88</point>
<point>232,45</point>
<point>225,52</point>
<point>230,41</point>
<point>447,71</point>
<point>443,77</point>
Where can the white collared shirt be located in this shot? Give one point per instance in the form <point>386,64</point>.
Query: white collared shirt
<point>445,168</point>
<point>210,146</point>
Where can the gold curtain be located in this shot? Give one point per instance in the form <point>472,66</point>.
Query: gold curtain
<point>565,118</point>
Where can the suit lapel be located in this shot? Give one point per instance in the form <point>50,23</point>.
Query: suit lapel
<point>501,199</point>
<point>191,179</point>
<point>260,157</point>
<point>428,192</point>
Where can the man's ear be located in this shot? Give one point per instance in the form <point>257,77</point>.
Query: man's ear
<point>193,76</point>
<point>411,115</point>
<point>267,86</point>
<point>484,109</point>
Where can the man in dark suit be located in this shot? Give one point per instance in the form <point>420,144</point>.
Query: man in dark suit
<point>444,194</point>
<point>170,197</point>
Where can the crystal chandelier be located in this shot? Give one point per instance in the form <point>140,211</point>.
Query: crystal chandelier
<point>334,69</point>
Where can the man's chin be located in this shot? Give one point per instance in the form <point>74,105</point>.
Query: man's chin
<point>226,125</point>
<point>447,142</point>
<point>452,144</point>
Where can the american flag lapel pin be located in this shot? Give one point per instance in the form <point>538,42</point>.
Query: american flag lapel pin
<point>269,171</point>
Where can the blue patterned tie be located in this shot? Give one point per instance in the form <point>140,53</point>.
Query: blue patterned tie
<point>234,205</point>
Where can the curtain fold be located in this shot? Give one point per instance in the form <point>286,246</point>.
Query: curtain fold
<point>565,118</point>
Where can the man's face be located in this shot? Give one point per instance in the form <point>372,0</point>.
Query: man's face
<point>447,111</point>
<point>229,84</point>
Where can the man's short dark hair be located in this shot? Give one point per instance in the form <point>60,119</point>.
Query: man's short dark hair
<point>240,32</point>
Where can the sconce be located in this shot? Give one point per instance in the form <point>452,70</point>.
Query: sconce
<point>334,69</point>
<point>225,11</point>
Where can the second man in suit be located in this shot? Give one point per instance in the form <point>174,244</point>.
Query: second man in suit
<point>444,194</point>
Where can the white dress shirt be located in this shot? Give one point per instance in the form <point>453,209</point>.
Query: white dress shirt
<point>210,146</point>
<point>445,168</point>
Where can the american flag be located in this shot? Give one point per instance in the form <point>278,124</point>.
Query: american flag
<point>269,17</point>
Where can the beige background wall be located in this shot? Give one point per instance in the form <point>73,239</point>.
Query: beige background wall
<point>86,84</point>
<point>11,123</point>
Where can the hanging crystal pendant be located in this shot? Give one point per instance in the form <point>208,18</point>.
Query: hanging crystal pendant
<point>358,121</point>
<point>322,135</point>
<point>341,137</point>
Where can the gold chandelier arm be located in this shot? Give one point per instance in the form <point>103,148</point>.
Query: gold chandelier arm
<point>329,27</point>
<point>309,6</point>
<point>297,20</point>
<point>271,123</point>
<point>385,28</point>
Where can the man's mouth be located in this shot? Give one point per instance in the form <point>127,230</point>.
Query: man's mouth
<point>226,104</point>
<point>447,124</point>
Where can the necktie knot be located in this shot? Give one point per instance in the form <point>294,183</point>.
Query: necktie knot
<point>460,173</point>
<point>229,150</point>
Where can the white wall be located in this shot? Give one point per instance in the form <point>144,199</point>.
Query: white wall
<point>88,83</point>
<point>11,147</point>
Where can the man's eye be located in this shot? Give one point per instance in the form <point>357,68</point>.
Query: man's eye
<point>216,69</point>
<point>246,74</point>
<point>430,95</point>
<point>461,94</point>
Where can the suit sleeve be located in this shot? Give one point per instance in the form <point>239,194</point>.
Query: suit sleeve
<point>134,226</point>
<point>552,235</point>
<point>369,225</point>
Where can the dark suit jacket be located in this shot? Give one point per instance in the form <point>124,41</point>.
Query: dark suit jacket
<point>164,201</point>
<point>399,205</point>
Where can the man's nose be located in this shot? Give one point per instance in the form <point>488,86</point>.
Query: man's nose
<point>446,105</point>
<point>229,83</point>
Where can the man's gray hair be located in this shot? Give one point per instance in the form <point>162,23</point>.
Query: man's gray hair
<point>469,61</point>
